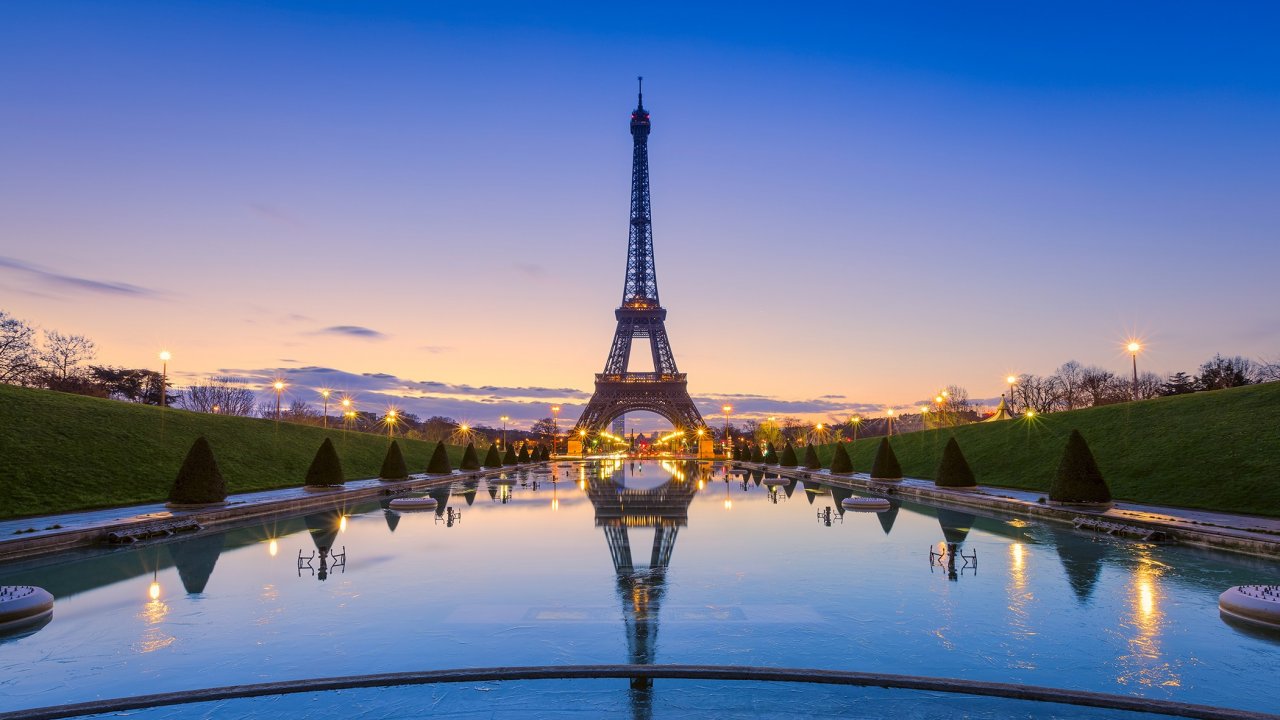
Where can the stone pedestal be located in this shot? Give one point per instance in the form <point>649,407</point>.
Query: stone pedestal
<point>575,447</point>
<point>706,449</point>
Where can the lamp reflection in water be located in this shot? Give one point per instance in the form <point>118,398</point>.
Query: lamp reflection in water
<point>273,547</point>
<point>1018,594</point>
<point>1144,663</point>
<point>153,614</point>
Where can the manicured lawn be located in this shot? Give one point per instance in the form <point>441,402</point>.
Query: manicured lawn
<point>1214,450</point>
<point>62,452</point>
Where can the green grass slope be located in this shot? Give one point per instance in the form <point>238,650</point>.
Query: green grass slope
<point>1213,450</point>
<point>62,452</point>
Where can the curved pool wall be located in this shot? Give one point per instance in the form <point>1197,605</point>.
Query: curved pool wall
<point>640,563</point>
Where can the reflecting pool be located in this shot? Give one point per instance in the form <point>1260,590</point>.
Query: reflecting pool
<point>640,562</point>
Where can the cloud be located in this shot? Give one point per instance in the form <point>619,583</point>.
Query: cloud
<point>435,349</point>
<point>529,269</point>
<point>72,282</point>
<point>352,331</point>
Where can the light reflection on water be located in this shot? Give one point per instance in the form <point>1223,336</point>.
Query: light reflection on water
<point>640,562</point>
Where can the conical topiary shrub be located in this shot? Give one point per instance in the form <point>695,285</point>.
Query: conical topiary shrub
<point>509,457</point>
<point>393,467</point>
<point>811,461</point>
<point>840,462</point>
<point>326,468</point>
<point>439,463</point>
<point>770,456</point>
<point>199,480</point>
<point>788,458</point>
<point>954,470</point>
<point>491,458</point>
<point>470,460</point>
<point>523,456</point>
<point>1079,480</point>
<point>756,455</point>
<point>885,466</point>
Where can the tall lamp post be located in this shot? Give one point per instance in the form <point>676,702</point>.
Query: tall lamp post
<point>555,426</point>
<point>391,422</point>
<point>855,422</point>
<point>888,416</point>
<point>1011,380</point>
<point>726,409</point>
<point>325,393</point>
<point>164,377</point>
<point>1134,348</point>
<point>279,388</point>
<point>504,419</point>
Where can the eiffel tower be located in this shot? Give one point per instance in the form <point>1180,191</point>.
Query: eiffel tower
<point>618,390</point>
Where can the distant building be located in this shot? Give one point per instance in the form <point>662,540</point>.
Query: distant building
<point>620,426</point>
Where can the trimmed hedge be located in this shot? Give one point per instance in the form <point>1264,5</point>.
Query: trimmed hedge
<point>326,468</point>
<point>470,460</point>
<point>393,467</point>
<point>840,462</point>
<point>1079,480</point>
<point>491,458</point>
<point>439,463</point>
<point>789,458</point>
<point>756,455</point>
<point>199,480</point>
<point>885,466</point>
<point>771,456</point>
<point>524,457</point>
<point>811,461</point>
<point>954,470</point>
<point>509,457</point>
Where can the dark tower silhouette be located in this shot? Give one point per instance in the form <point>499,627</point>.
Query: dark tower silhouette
<point>618,390</point>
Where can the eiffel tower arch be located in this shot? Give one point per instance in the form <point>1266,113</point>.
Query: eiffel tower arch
<point>641,317</point>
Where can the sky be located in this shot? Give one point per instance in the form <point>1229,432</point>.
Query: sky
<point>425,204</point>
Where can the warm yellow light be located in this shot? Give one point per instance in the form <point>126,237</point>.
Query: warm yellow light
<point>504,418</point>
<point>924,409</point>
<point>273,547</point>
<point>856,420</point>
<point>938,399</point>
<point>164,355</point>
<point>727,408</point>
<point>1031,413</point>
<point>346,402</point>
<point>728,504</point>
<point>154,590</point>
<point>325,393</point>
<point>701,432</point>
<point>391,414</point>
<point>1016,550</point>
<point>819,427</point>
<point>889,412</point>
<point>555,504</point>
<point>583,433</point>
<point>1134,347</point>
<point>1011,379</point>
<point>464,427</point>
<point>278,385</point>
<point>946,394</point>
<point>342,524</point>
<point>555,408</point>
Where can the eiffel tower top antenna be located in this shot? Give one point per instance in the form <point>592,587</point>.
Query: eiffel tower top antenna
<point>640,98</point>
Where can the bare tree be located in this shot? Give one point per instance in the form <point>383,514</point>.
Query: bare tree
<point>1267,371</point>
<point>61,356</point>
<point>1150,385</point>
<point>1070,378</point>
<point>18,361</point>
<point>1099,386</point>
<point>218,395</point>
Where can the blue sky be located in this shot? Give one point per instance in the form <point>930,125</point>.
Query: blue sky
<point>866,203</point>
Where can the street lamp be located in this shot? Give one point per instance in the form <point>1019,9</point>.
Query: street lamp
<point>279,388</point>
<point>325,393</point>
<point>726,409</point>
<point>391,421</point>
<point>1134,348</point>
<point>555,426</point>
<point>855,421</point>
<point>164,377</point>
<point>888,415</point>
<point>1011,380</point>
<point>504,419</point>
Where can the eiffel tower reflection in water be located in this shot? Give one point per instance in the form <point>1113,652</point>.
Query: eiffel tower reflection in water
<point>619,509</point>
